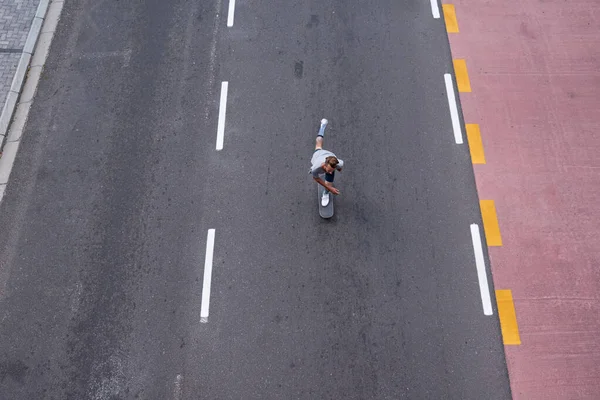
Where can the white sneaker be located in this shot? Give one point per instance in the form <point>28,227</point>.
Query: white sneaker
<point>325,199</point>
<point>323,121</point>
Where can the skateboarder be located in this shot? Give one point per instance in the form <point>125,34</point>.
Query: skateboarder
<point>325,162</point>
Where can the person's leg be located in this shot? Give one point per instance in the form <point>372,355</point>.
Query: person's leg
<point>319,141</point>
<point>329,177</point>
<point>326,193</point>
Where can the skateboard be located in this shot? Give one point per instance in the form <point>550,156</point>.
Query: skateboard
<point>327,211</point>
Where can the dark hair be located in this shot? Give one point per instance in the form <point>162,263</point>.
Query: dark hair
<point>332,161</point>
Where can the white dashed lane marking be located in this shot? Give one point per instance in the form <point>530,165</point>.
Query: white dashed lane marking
<point>222,112</point>
<point>435,9</point>
<point>453,109</point>
<point>208,264</point>
<point>231,12</point>
<point>481,274</point>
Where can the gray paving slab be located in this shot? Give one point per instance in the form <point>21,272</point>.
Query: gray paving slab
<point>15,20</point>
<point>8,67</point>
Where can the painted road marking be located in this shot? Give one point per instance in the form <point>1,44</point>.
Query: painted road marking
<point>508,317</point>
<point>450,18</point>
<point>231,12</point>
<point>462,77</point>
<point>177,387</point>
<point>475,143</point>
<point>481,274</point>
<point>208,265</point>
<point>490,223</point>
<point>453,109</point>
<point>222,111</point>
<point>435,9</point>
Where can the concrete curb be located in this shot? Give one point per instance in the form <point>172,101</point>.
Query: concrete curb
<point>25,83</point>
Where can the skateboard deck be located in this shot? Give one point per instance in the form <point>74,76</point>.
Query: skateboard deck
<point>327,211</point>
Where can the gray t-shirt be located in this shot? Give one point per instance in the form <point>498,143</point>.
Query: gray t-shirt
<point>318,159</point>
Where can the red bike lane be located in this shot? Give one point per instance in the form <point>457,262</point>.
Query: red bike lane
<point>534,72</point>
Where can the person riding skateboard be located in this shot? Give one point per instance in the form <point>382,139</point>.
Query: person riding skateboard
<point>324,162</point>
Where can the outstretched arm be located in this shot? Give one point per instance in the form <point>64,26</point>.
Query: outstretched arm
<point>327,185</point>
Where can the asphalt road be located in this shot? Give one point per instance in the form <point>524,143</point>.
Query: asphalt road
<point>117,182</point>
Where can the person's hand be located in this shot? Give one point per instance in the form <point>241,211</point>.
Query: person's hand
<point>332,189</point>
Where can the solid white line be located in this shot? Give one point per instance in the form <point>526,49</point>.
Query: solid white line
<point>231,12</point>
<point>208,264</point>
<point>222,110</point>
<point>435,9</point>
<point>481,274</point>
<point>453,109</point>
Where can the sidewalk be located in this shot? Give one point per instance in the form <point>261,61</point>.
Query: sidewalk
<point>16,20</point>
<point>534,71</point>
<point>21,24</point>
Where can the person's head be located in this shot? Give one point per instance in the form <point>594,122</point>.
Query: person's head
<point>331,164</point>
